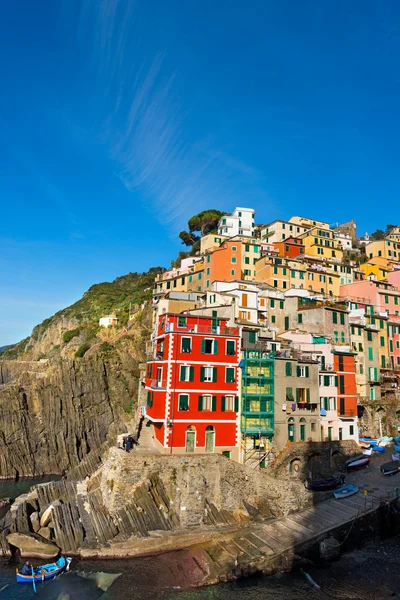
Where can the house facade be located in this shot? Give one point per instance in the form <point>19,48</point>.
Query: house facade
<point>192,385</point>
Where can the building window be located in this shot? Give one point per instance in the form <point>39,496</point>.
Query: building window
<point>252,337</point>
<point>208,374</point>
<point>341,384</point>
<point>300,318</point>
<point>233,272</point>
<point>287,323</point>
<point>275,283</point>
<point>335,336</point>
<point>207,403</point>
<point>341,406</point>
<point>246,260</point>
<point>230,348</point>
<point>273,319</point>
<point>288,369</point>
<point>342,318</point>
<point>272,303</point>
<point>303,371</point>
<point>334,317</point>
<point>281,304</point>
<point>183,402</point>
<point>341,362</point>
<point>369,336</point>
<point>186,344</point>
<point>289,394</point>
<point>386,299</point>
<point>182,321</point>
<point>230,375</point>
<point>351,429</point>
<point>234,248</point>
<point>230,404</point>
<point>370,354</point>
<point>186,373</point>
<point>209,346</point>
<point>233,259</point>
<point>382,340</point>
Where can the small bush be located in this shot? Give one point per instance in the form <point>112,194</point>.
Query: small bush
<point>82,350</point>
<point>68,335</point>
<point>129,408</point>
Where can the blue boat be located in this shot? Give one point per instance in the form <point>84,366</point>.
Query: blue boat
<point>397,439</point>
<point>396,447</point>
<point>378,449</point>
<point>369,441</point>
<point>45,572</point>
<point>344,492</point>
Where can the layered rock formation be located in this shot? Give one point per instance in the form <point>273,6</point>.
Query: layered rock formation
<point>53,415</point>
<point>139,498</point>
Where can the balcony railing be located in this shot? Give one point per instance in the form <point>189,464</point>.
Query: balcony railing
<point>159,383</point>
<point>198,328</point>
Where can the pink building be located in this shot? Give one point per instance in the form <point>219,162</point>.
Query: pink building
<point>384,297</point>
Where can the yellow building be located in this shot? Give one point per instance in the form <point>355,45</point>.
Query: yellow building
<point>379,321</point>
<point>308,223</point>
<point>321,243</point>
<point>210,242</point>
<point>394,234</point>
<point>188,278</point>
<point>384,249</point>
<point>289,274</point>
<point>376,268</point>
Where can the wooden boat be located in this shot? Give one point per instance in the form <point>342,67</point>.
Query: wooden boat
<point>344,492</point>
<point>391,468</point>
<point>365,445</point>
<point>45,572</point>
<point>380,449</point>
<point>368,440</point>
<point>358,464</point>
<point>353,458</point>
<point>322,485</point>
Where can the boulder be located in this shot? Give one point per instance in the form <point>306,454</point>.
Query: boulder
<point>45,532</point>
<point>35,521</point>
<point>32,545</point>
<point>46,516</point>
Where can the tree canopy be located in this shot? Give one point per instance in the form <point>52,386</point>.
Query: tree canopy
<point>201,224</point>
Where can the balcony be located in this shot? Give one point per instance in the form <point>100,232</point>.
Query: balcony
<point>204,329</point>
<point>159,384</point>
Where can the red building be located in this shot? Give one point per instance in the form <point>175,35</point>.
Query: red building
<point>192,385</point>
<point>345,367</point>
<point>290,248</point>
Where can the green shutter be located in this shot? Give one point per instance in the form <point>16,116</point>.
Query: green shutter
<point>334,317</point>
<point>202,373</point>
<point>236,403</point>
<point>307,371</point>
<point>191,373</point>
<point>230,348</point>
<point>326,380</point>
<point>298,370</point>
<point>288,368</point>
<point>203,346</point>
<point>214,403</point>
<point>223,404</point>
<point>308,394</point>
<point>182,373</point>
<point>336,380</point>
<point>230,375</point>
<point>214,374</point>
<point>200,403</point>
<point>297,395</point>
<point>183,402</point>
<point>215,346</point>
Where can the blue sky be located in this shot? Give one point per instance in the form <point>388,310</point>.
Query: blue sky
<point>120,119</point>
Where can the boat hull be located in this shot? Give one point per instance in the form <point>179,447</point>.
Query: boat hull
<point>359,464</point>
<point>391,468</point>
<point>45,572</point>
<point>323,485</point>
<point>345,492</point>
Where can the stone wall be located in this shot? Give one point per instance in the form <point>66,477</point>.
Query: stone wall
<point>304,460</point>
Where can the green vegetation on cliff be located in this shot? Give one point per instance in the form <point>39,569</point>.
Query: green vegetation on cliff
<point>79,322</point>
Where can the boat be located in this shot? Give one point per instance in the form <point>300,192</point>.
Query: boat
<point>367,452</point>
<point>353,458</point>
<point>365,445</point>
<point>45,572</point>
<point>385,440</point>
<point>370,441</point>
<point>344,492</point>
<point>358,464</point>
<point>322,485</point>
<point>396,447</point>
<point>396,439</point>
<point>391,468</point>
<point>396,456</point>
<point>380,449</point>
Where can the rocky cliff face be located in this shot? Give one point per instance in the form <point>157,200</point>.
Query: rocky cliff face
<point>53,415</point>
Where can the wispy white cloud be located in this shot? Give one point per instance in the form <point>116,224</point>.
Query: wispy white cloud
<point>144,125</point>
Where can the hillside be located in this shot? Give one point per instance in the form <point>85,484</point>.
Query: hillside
<point>71,331</point>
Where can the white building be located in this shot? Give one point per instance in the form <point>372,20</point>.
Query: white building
<point>108,321</point>
<point>240,222</point>
<point>344,240</point>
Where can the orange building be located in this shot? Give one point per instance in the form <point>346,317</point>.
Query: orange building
<point>344,365</point>
<point>224,264</point>
<point>292,247</point>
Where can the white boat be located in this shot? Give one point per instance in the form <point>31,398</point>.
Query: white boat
<point>367,452</point>
<point>396,456</point>
<point>359,463</point>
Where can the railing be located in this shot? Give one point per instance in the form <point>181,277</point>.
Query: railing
<point>198,328</point>
<point>159,383</point>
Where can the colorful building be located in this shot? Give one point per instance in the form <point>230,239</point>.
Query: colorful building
<point>192,385</point>
<point>384,248</point>
<point>189,277</point>
<point>292,247</point>
<point>344,366</point>
<point>240,222</point>
<point>321,243</point>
